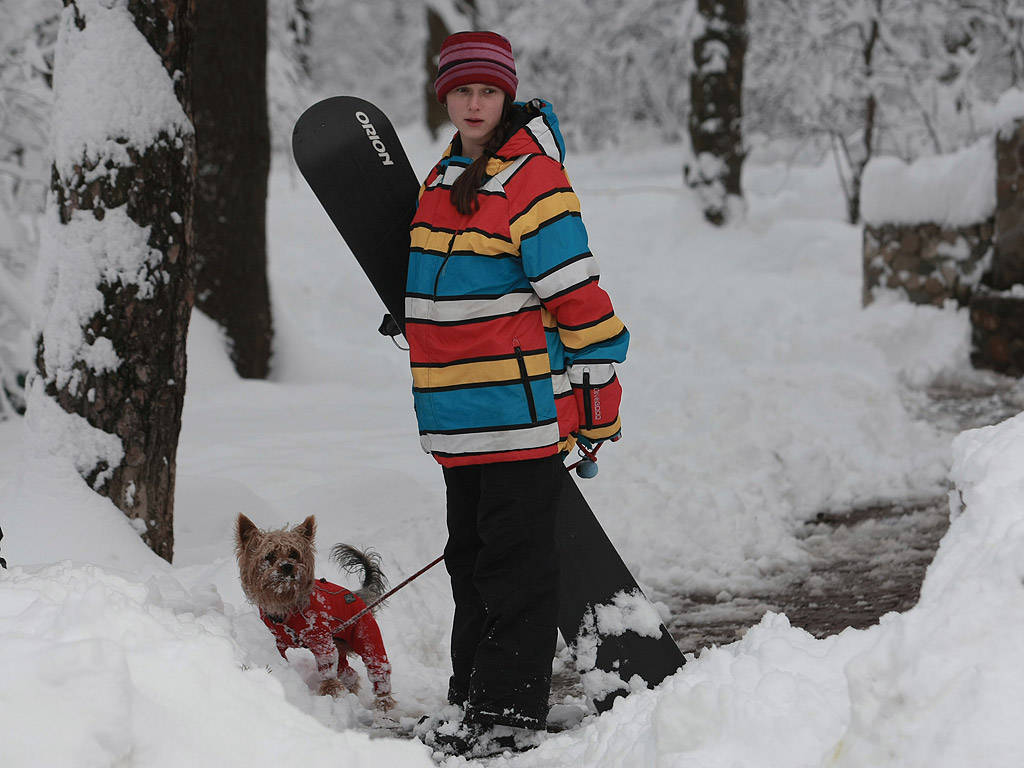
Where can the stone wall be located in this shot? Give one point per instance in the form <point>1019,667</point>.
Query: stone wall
<point>977,265</point>
<point>928,263</point>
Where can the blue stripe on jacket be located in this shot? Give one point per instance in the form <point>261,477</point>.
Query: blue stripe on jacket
<point>482,406</point>
<point>553,244</point>
<point>465,275</point>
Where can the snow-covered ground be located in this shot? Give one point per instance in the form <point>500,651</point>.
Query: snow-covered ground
<point>757,392</point>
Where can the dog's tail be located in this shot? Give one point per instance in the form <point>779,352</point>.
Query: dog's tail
<point>350,559</point>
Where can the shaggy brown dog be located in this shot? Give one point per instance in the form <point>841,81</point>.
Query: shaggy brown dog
<point>276,569</point>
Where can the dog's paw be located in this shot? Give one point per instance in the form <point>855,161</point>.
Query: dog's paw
<point>332,687</point>
<point>384,703</point>
<point>349,680</point>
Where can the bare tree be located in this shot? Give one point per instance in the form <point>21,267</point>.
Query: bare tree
<point>233,142</point>
<point>116,258</point>
<point>716,112</point>
<point>856,158</point>
<point>616,73</point>
<point>299,23</point>
<point>28,32</point>
<point>291,43</point>
<point>862,78</point>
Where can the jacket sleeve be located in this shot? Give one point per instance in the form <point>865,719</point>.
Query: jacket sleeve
<point>546,225</point>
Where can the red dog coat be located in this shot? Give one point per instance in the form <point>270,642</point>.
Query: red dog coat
<point>317,627</point>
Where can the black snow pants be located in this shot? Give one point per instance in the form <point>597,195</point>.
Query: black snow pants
<point>503,561</point>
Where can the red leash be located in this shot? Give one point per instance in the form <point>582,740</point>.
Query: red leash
<point>388,594</point>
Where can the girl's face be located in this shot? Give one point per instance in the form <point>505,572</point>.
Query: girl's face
<point>475,110</point>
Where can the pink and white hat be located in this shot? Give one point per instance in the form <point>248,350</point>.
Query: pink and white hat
<point>476,57</point>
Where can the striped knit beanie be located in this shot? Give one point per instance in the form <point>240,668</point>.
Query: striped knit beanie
<point>476,57</point>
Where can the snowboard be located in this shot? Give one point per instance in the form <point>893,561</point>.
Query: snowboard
<point>351,157</point>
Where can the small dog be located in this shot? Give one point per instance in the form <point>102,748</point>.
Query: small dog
<point>276,569</point>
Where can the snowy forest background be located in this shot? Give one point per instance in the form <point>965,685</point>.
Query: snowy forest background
<point>852,79</point>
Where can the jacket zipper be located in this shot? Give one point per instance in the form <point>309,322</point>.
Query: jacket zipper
<point>526,381</point>
<point>588,407</point>
<point>444,262</point>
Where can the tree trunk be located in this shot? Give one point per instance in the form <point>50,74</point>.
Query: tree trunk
<point>437,31</point>
<point>123,219</point>
<point>233,143</point>
<point>716,111</point>
<point>870,118</point>
<point>438,28</point>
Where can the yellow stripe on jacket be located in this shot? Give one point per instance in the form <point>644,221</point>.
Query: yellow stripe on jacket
<point>579,338</point>
<point>543,210</point>
<point>480,372</point>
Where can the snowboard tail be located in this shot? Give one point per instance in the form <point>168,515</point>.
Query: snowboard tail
<point>349,153</point>
<point>593,574</point>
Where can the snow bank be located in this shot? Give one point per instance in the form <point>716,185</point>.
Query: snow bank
<point>941,688</point>
<point>117,671</point>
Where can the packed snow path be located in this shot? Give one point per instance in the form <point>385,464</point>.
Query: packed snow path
<point>862,563</point>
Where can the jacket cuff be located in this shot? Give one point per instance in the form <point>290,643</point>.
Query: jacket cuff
<point>597,392</point>
<point>603,433</point>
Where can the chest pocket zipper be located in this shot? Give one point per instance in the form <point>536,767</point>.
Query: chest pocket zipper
<point>525,377</point>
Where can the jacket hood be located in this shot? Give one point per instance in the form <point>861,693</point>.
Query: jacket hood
<point>535,131</point>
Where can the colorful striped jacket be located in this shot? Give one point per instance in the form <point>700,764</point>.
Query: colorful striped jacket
<point>511,340</point>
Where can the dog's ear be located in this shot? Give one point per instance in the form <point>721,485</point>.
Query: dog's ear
<point>307,528</point>
<point>244,529</point>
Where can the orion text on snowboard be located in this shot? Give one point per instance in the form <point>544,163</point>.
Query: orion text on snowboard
<point>371,134</point>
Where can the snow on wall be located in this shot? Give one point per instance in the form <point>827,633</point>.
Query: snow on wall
<point>955,190</point>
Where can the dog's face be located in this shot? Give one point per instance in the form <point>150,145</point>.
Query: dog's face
<point>276,567</point>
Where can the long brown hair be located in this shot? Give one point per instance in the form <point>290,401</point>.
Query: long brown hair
<point>464,190</point>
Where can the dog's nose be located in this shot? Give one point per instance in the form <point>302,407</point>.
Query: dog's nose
<point>287,568</point>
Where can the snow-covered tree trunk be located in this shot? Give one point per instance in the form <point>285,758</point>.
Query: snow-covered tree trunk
<point>233,144</point>
<point>115,286</point>
<point>716,114</point>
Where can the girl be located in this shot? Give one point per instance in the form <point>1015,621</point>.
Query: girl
<point>512,344</point>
